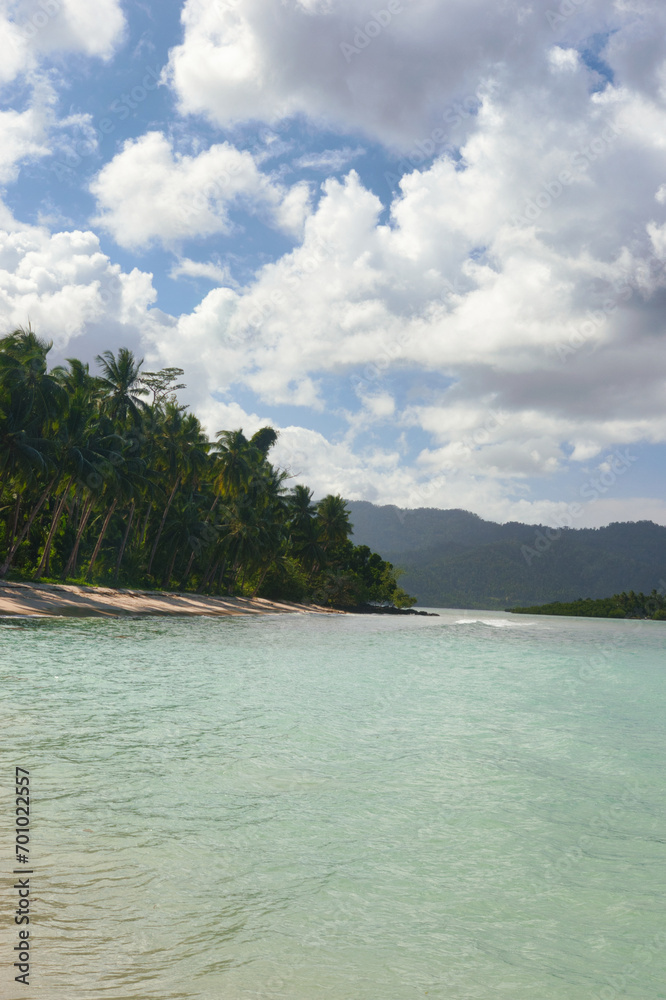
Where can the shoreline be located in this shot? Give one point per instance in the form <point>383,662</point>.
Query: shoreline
<point>49,600</point>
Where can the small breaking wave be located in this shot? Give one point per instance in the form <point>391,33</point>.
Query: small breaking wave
<point>493,622</point>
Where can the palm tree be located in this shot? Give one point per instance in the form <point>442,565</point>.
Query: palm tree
<point>122,382</point>
<point>333,520</point>
<point>75,434</point>
<point>30,399</point>
<point>235,463</point>
<point>24,377</point>
<point>263,440</point>
<point>183,451</point>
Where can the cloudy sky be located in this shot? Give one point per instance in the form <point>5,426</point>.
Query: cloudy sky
<point>426,239</point>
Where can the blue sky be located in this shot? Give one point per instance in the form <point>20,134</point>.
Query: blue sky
<point>425,240</point>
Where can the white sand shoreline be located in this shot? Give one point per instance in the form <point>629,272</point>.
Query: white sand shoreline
<point>42,600</point>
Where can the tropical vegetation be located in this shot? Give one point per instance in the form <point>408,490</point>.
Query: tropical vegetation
<point>105,478</point>
<point>622,605</point>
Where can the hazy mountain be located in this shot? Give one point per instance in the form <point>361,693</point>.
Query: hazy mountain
<point>454,559</point>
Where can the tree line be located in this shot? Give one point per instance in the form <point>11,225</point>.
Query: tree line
<point>624,605</point>
<point>106,478</point>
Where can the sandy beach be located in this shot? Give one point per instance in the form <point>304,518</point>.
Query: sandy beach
<point>69,601</point>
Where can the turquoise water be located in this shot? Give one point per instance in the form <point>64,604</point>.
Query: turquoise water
<point>354,808</point>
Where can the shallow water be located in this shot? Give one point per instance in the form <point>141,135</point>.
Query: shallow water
<point>360,808</point>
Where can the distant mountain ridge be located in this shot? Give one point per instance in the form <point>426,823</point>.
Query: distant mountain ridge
<point>453,558</point>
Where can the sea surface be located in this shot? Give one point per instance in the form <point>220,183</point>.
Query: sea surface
<point>354,808</point>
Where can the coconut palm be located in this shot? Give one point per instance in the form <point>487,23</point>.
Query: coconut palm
<point>121,380</point>
<point>182,453</point>
<point>333,520</point>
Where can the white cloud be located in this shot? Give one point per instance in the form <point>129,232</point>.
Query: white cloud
<point>394,70</point>
<point>186,268</point>
<point>564,60</point>
<point>34,28</point>
<point>517,271</point>
<point>34,132</point>
<point>329,161</point>
<point>30,32</point>
<point>22,136</point>
<point>506,312</point>
<point>63,285</point>
<point>150,193</point>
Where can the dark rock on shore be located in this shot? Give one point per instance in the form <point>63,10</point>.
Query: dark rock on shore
<point>373,609</point>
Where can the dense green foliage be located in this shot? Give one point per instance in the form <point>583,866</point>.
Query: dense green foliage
<point>622,605</point>
<point>107,479</point>
<point>452,558</point>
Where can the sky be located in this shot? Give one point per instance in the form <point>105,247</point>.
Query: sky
<point>423,239</point>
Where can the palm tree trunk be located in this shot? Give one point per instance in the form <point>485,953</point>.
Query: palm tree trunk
<point>209,576</point>
<point>261,579</point>
<point>74,554</point>
<point>54,526</point>
<point>144,530</point>
<point>100,538</point>
<point>222,570</point>
<point>15,523</point>
<point>190,562</point>
<point>188,570</point>
<point>124,541</point>
<point>162,523</point>
<point>165,582</point>
<point>27,526</point>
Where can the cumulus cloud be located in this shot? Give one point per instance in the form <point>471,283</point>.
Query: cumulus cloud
<point>22,137</point>
<point>64,286</point>
<point>394,70</point>
<point>31,29</point>
<point>149,192</point>
<point>526,268</point>
<point>496,321</point>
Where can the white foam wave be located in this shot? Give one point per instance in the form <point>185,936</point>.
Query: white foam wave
<point>493,622</point>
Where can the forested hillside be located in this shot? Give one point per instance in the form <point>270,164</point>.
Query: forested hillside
<point>453,558</point>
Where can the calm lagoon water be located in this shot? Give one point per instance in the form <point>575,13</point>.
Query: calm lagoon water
<point>354,808</point>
